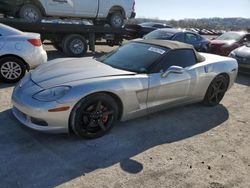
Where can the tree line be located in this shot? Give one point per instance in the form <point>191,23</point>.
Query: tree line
<point>203,23</point>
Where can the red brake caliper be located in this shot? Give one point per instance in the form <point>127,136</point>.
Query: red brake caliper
<point>105,118</point>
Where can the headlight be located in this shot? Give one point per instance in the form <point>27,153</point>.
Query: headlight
<point>232,55</point>
<point>228,44</point>
<point>52,94</point>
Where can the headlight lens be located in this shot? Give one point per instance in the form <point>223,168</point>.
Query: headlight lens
<point>228,44</point>
<point>52,94</point>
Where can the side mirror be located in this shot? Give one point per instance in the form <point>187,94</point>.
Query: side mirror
<point>173,70</point>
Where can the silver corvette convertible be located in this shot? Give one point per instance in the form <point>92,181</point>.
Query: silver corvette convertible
<point>87,96</point>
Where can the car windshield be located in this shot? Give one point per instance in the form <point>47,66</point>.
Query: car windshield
<point>230,36</point>
<point>159,34</point>
<point>134,56</point>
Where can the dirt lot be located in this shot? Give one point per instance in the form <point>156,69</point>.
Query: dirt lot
<point>191,146</point>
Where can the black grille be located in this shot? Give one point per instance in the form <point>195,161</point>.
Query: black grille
<point>38,122</point>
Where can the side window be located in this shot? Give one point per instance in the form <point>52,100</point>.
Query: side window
<point>179,37</point>
<point>182,57</point>
<point>158,26</point>
<point>199,38</point>
<point>191,38</point>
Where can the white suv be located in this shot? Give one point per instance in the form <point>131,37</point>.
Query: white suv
<point>113,11</point>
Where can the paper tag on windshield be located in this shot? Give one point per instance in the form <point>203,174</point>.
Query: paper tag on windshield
<point>157,50</point>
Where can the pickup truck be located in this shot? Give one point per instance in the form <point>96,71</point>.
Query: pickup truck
<point>113,11</point>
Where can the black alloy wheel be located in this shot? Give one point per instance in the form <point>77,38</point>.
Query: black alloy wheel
<point>216,91</point>
<point>94,116</point>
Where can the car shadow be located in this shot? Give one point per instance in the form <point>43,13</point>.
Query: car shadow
<point>243,79</point>
<point>32,158</point>
<point>4,85</point>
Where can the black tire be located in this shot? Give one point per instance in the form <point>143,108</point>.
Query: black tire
<point>216,91</point>
<point>30,13</point>
<point>12,69</point>
<point>75,45</point>
<point>116,20</point>
<point>94,116</point>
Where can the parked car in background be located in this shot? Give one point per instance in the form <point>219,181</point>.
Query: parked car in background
<point>192,38</point>
<point>242,55</point>
<point>140,30</point>
<point>148,27</point>
<point>114,11</point>
<point>88,96</point>
<point>19,52</point>
<point>227,42</point>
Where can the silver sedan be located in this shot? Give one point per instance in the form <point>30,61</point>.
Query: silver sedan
<point>242,55</point>
<point>87,96</point>
<point>19,52</point>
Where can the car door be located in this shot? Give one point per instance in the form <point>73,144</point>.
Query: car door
<point>86,8</point>
<point>193,39</point>
<point>59,7</point>
<point>1,42</point>
<point>175,88</point>
<point>179,37</point>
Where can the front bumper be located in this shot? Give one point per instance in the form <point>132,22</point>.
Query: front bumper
<point>244,67</point>
<point>34,114</point>
<point>244,64</point>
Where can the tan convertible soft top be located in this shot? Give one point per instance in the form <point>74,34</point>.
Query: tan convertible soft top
<point>173,45</point>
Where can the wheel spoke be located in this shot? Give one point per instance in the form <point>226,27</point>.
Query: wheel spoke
<point>87,113</point>
<point>7,65</point>
<point>214,87</point>
<point>4,68</point>
<point>217,98</point>
<point>16,75</point>
<point>100,123</point>
<point>108,113</point>
<point>16,67</point>
<point>212,96</point>
<point>90,124</point>
<point>221,91</point>
<point>220,84</point>
<point>11,65</point>
<point>99,106</point>
<point>9,75</point>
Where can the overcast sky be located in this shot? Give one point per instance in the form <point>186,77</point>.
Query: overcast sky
<point>179,9</point>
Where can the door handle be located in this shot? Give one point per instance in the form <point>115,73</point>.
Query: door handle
<point>61,1</point>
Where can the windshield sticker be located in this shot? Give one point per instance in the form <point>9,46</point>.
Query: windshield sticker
<point>157,50</point>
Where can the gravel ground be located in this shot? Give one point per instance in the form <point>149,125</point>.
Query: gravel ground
<point>191,146</point>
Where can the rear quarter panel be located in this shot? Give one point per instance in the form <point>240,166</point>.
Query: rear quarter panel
<point>215,65</point>
<point>19,46</point>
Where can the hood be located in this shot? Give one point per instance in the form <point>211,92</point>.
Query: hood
<point>243,51</point>
<point>222,42</point>
<point>62,71</point>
